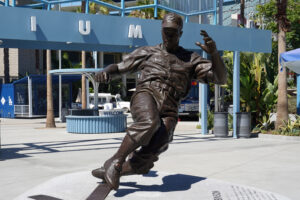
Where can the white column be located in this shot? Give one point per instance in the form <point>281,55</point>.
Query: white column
<point>95,56</point>
<point>30,96</point>
<point>87,93</point>
<point>60,86</point>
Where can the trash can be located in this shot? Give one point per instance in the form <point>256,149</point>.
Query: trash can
<point>243,124</point>
<point>221,124</point>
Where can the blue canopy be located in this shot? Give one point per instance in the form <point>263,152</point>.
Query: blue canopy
<point>41,79</point>
<point>291,59</point>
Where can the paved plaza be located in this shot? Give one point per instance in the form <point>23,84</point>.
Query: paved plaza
<point>37,161</point>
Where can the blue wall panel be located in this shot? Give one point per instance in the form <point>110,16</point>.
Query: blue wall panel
<point>59,30</point>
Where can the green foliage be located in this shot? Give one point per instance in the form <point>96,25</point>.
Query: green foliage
<point>210,120</point>
<point>96,8</point>
<point>265,124</point>
<point>147,13</point>
<point>230,122</point>
<point>287,133</point>
<point>258,86</point>
<point>65,61</point>
<point>267,15</point>
<point>291,127</point>
<point>228,60</point>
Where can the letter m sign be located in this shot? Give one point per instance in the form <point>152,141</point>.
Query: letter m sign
<point>135,31</point>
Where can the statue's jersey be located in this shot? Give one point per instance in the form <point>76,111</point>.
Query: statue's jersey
<point>166,76</point>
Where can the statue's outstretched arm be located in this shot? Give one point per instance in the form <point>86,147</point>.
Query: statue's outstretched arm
<point>218,74</point>
<point>105,75</point>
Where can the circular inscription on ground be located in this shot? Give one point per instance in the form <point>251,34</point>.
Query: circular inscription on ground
<point>155,185</point>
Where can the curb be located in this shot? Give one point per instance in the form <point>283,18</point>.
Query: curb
<point>279,137</point>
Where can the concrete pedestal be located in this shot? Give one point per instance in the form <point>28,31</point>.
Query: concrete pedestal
<point>155,185</point>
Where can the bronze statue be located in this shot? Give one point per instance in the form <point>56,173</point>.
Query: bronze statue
<point>166,71</point>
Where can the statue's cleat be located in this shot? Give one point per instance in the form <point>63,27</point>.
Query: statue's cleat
<point>99,173</point>
<point>112,173</point>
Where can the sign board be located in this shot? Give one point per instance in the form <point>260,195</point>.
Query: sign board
<point>41,29</point>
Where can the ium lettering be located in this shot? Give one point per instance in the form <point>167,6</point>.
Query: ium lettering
<point>84,27</point>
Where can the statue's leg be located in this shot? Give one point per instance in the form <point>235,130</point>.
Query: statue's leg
<point>146,122</point>
<point>142,160</point>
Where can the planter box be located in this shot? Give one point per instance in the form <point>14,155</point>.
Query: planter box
<point>96,124</point>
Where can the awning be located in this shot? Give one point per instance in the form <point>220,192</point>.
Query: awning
<point>291,59</point>
<point>41,79</point>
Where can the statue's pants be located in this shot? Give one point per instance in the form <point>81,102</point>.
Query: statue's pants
<point>151,130</point>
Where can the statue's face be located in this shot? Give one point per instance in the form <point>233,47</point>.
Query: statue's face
<point>171,36</point>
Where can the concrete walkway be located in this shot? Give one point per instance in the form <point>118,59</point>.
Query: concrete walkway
<point>33,156</point>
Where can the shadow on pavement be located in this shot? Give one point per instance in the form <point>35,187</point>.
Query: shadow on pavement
<point>171,183</point>
<point>43,197</point>
<point>10,153</point>
<point>23,150</point>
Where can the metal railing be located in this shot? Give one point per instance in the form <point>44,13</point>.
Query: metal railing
<point>185,8</point>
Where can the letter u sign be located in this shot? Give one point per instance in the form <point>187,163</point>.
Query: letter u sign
<point>87,29</point>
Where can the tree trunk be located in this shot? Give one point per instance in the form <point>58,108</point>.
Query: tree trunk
<point>6,65</point>
<point>83,61</point>
<point>282,103</point>
<point>242,22</point>
<point>50,123</point>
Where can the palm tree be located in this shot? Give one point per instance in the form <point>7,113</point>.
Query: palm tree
<point>50,122</point>
<point>242,23</point>
<point>283,26</point>
<point>83,82</point>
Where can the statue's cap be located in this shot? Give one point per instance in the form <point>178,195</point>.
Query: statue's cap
<point>172,20</point>
<point>169,24</point>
